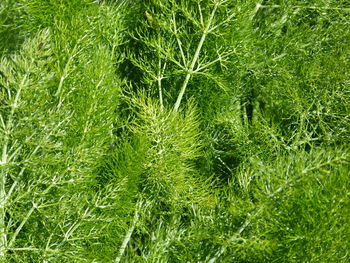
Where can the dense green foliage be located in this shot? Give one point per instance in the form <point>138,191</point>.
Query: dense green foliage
<point>175,131</point>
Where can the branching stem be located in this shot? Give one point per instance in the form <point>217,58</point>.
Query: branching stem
<point>194,60</point>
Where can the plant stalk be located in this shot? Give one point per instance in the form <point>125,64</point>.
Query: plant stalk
<point>159,79</point>
<point>194,60</point>
<point>128,234</point>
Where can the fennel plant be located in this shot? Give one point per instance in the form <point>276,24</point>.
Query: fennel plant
<point>174,131</point>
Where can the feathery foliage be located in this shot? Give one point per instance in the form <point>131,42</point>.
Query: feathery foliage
<point>58,97</point>
<point>174,131</point>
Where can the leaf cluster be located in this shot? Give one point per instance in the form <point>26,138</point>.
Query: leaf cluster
<point>174,131</point>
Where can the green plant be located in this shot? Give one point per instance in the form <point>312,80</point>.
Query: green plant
<point>58,100</point>
<point>179,47</point>
<point>174,131</point>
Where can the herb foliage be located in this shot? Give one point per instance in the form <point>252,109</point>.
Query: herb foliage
<point>174,131</point>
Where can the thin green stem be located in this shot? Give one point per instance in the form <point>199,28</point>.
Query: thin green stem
<point>65,72</point>
<point>179,42</point>
<point>194,60</point>
<point>129,233</point>
<point>159,80</point>
<point>19,228</point>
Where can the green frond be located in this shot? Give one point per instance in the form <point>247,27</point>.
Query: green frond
<point>174,131</point>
